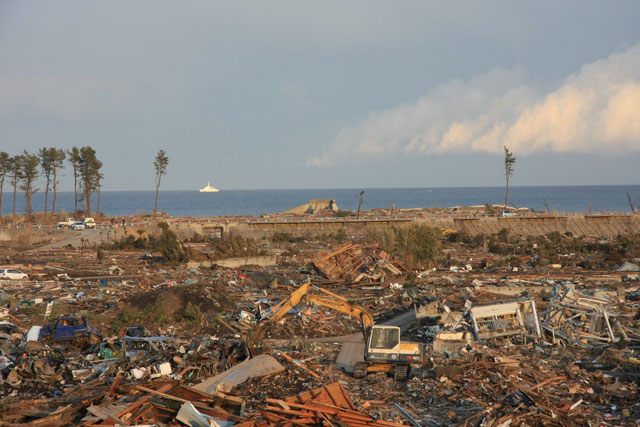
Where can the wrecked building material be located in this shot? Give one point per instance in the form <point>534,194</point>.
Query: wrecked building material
<point>582,319</point>
<point>329,404</point>
<point>505,319</point>
<point>357,263</point>
<point>485,322</point>
<point>262,261</point>
<point>260,365</point>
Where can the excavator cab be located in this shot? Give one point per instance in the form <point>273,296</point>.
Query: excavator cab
<point>385,338</point>
<point>383,344</point>
<point>386,352</point>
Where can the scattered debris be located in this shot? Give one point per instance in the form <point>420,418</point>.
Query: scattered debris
<point>513,330</point>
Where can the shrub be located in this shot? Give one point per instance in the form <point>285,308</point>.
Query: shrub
<point>416,245</point>
<point>168,245</point>
<point>234,245</point>
<point>193,314</point>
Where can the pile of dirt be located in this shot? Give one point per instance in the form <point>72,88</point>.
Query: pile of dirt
<point>178,302</point>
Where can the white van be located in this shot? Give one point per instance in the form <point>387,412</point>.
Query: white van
<point>508,214</point>
<point>89,223</point>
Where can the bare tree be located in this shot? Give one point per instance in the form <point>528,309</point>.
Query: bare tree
<point>509,161</point>
<point>160,163</point>
<point>5,167</point>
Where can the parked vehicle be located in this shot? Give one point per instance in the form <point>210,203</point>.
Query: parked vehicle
<point>13,274</point>
<point>89,223</point>
<point>508,214</point>
<point>78,225</point>
<point>68,223</point>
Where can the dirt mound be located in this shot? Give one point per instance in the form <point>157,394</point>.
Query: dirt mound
<point>181,301</point>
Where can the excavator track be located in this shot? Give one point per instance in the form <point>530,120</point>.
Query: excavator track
<point>360,370</point>
<point>401,372</point>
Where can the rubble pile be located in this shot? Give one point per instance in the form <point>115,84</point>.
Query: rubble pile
<point>357,263</point>
<point>587,320</point>
<point>537,386</point>
<point>511,335</point>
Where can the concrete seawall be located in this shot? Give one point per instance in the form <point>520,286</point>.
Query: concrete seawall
<point>582,225</point>
<point>577,225</point>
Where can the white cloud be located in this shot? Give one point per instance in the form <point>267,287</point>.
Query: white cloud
<point>67,98</point>
<point>596,110</point>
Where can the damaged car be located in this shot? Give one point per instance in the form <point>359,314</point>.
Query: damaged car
<point>70,329</point>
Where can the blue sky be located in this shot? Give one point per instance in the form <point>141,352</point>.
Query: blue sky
<point>332,94</point>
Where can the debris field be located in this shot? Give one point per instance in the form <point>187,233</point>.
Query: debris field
<point>513,331</point>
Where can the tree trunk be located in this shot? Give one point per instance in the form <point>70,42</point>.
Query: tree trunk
<point>27,197</point>
<point>15,187</point>
<point>1,191</point>
<point>155,208</point>
<point>55,195</point>
<point>99,197</point>
<point>506,195</point>
<point>46,196</point>
<point>75,191</point>
<point>88,195</point>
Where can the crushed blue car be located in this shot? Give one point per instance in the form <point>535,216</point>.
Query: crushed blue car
<point>70,329</point>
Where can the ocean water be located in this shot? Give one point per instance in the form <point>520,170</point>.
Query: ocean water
<point>562,199</point>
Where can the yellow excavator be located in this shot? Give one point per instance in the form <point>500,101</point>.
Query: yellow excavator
<point>384,351</point>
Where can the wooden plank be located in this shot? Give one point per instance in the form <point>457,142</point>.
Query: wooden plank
<point>320,407</point>
<point>339,396</point>
<point>332,394</point>
<point>105,411</point>
<point>142,401</point>
<point>116,384</point>
<point>277,418</point>
<point>300,365</point>
<point>287,411</point>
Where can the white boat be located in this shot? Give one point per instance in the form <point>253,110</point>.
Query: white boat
<point>209,189</point>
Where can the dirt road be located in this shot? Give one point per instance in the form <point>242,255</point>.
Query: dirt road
<point>87,237</point>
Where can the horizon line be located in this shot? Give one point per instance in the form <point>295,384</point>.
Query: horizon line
<point>346,188</point>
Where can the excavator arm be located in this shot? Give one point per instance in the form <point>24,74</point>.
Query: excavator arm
<point>329,299</point>
<point>283,307</point>
<point>343,306</point>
